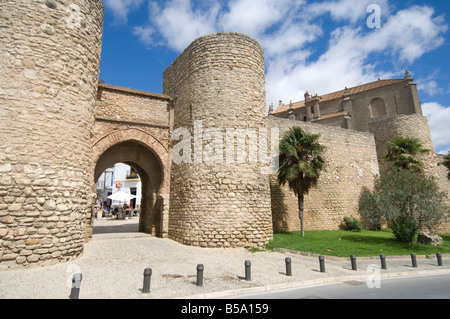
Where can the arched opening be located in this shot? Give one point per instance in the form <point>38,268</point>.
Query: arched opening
<point>377,107</point>
<point>148,167</point>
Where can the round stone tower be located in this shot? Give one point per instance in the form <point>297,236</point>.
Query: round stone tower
<point>49,65</point>
<point>412,126</point>
<point>219,197</point>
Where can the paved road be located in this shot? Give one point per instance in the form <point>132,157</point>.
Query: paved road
<point>426,287</point>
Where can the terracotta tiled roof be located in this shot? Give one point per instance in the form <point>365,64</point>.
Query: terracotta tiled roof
<point>339,94</point>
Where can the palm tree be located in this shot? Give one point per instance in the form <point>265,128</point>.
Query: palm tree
<point>446,163</point>
<point>404,151</point>
<point>301,162</point>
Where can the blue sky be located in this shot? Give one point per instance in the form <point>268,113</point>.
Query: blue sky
<point>315,46</point>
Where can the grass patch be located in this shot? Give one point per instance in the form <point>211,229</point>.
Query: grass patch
<point>342,243</point>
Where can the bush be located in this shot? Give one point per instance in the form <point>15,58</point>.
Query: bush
<point>409,199</point>
<point>371,214</point>
<point>405,229</point>
<point>351,224</point>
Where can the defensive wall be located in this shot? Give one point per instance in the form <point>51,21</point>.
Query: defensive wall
<point>351,166</point>
<point>218,83</point>
<point>49,66</point>
<point>59,129</point>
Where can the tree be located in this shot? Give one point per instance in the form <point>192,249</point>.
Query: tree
<point>301,163</point>
<point>410,199</point>
<point>404,151</point>
<point>446,163</point>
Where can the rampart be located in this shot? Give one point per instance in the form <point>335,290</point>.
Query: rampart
<point>351,166</point>
<point>48,72</point>
<point>218,83</point>
<point>59,129</point>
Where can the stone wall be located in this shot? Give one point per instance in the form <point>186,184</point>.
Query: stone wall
<point>351,166</point>
<point>361,105</point>
<point>219,82</point>
<point>445,186</point>
<point>50,54</point>
<point>398,98</point>
<point>129,106</point>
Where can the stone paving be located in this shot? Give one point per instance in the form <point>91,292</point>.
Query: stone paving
<point>113,264</point>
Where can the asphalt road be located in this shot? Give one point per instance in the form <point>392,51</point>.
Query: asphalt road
<point>426,287</point>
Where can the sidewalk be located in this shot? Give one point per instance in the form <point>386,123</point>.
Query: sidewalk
<point>112,267</point>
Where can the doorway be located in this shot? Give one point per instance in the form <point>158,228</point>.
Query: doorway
<point>144,164</point>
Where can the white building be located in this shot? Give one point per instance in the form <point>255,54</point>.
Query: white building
<point>119,177</point>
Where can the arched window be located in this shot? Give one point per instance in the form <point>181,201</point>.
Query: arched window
<point>378,107</point>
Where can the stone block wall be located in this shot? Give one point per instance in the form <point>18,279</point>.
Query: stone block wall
<point>445,186</point>
<point>129,106</point>
<point>351,166</point>
<point>50,54</point>
<point>219,81</point>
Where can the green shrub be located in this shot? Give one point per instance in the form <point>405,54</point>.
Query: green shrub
<point>405,229</point>
<point>351,224</point>
<point>410,200</point>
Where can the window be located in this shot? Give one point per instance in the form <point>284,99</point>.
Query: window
<point>378,107</point>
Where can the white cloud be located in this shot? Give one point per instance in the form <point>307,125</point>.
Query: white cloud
<point>406,36</point>
<point>289,31</point>
<point>145,34</point>
<point>121,8</point>
<point>410,33</point>
<point>430,86</point>
<point>179,23</point>
<point>438,120</point>
<point>255,17</point>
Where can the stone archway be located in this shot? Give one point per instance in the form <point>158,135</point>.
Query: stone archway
<point>149,157</point>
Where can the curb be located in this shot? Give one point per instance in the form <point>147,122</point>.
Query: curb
<point>311,283</point>
<point>335,258</point>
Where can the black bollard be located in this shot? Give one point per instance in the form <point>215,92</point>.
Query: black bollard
<point>353,260</point>
<point>200,269</point>
<point>76,284</point>
<point>414,260</point>
<point>322,263</point>
<point>147,279</point>
<point>288,266</point>
<point>439,259</point>
<point>383,261</point>
<point>248,275</point>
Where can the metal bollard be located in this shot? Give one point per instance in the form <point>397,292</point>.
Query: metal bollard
<point>414,260</point>
<point>288,266</point>
<point>439,259</point>
<point>147,279</point>
<point>76,284</point>
<point>353,260</point>
<point>383,261</point>
<point>322,263</point>
<point>248,275</point>
<point>200,269</point>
